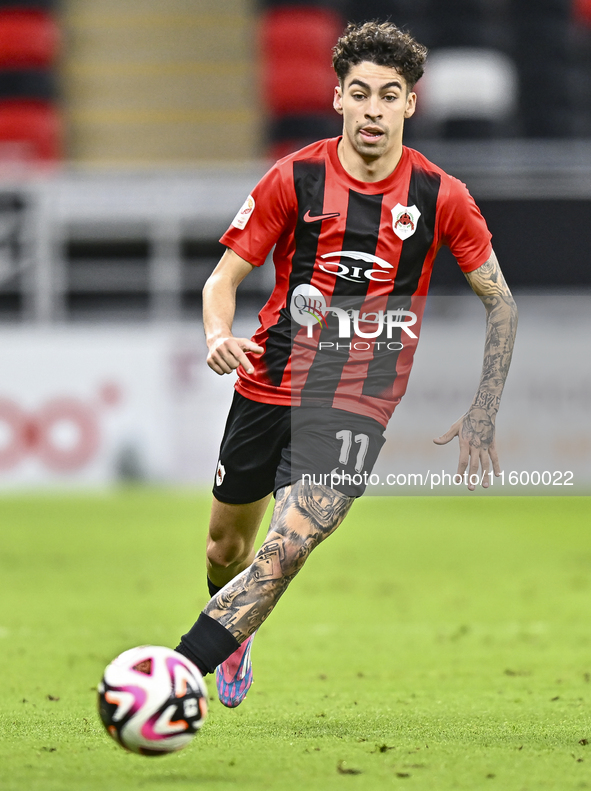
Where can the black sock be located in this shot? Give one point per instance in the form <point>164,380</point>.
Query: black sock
<point>207,644</point>
<point>213,588</point>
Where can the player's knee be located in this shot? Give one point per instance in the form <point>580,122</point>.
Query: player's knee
<point>226,552</point>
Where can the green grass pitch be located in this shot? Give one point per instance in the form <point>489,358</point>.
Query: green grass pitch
<point>431,643</point>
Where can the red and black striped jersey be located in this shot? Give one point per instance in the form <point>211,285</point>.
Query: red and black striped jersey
<point>353,262</point>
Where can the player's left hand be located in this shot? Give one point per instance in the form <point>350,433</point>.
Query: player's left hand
<point>476,433</point>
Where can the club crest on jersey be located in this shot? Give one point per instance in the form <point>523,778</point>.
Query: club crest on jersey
<point>244,214</point>
<point>404,220</point>
<point>220,473</point>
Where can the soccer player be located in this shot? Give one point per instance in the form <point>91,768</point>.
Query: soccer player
<point>356,222</point>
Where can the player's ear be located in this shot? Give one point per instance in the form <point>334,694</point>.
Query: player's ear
<point>337,101</point>
<point>411,104</point>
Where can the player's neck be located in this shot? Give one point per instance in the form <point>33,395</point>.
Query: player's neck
<point>368,170</point>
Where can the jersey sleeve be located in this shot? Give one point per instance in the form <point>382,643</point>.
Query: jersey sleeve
<point>463,228</point>
<point>261,220</point>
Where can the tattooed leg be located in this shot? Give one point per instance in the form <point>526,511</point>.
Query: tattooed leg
<point>305,514</point>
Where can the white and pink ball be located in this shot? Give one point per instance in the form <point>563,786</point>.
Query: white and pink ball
<point>152,700</point>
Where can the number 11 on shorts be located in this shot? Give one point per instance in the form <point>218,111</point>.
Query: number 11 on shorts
<point>346,438</point>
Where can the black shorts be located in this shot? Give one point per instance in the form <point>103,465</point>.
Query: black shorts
<point>268,446</point>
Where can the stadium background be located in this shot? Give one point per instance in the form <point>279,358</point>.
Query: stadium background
<point>130,133</point>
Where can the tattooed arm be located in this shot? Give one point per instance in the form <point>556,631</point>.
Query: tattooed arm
<point>476,429</point>
<point>304,515</point>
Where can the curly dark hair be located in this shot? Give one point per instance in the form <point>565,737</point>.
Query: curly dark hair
<point>382,43</point>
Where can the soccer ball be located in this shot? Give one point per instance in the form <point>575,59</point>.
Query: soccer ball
<point>152,700</point>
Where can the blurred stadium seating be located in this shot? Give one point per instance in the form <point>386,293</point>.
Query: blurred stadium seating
<point>297,76</point>
<point>30,131</point>
<point>582,11</point>
<point>30,124</point>
<point>468,92</point>
<point>28,37</point>
<point>156,84</point>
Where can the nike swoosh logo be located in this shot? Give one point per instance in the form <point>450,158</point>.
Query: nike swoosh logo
<point>308,217</point>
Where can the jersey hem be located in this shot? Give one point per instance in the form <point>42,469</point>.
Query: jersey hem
<point>278,399</point>
<point>381,416</point>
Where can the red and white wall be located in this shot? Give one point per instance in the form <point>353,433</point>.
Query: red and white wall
<point>86,407</point>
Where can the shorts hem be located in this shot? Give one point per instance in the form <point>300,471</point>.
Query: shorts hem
<point>237,500</point>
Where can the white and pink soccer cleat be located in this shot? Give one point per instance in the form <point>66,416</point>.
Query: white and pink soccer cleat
<point>234,676</point>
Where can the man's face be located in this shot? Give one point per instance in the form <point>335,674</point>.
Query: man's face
<point>481,428</point>
<point>374,102</point>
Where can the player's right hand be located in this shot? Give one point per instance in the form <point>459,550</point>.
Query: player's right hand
<point>226,354</point>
